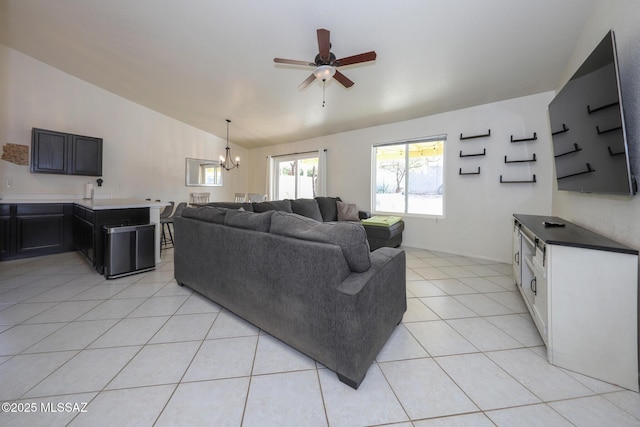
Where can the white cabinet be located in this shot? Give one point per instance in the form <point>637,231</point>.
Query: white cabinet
<point>517,241</point>
<point>534,284</point>
<point>582,292</point>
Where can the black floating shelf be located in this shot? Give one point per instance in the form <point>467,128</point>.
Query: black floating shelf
<point>469,173</point>
<point>590,110</point>
<point>462,138</point>
<point>533,159</point>
<point>518,182</point>
<point>484,153</point>
<point>576,148</point>
<point>612,153</point>
<point>533,138</point>
<point>600,132</point>
<point>563,130</point>
<point>589,170</point>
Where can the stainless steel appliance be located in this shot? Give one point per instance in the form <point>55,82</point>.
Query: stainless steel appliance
<point>129,249</point>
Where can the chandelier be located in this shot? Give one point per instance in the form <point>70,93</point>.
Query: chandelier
<point>225,161</point>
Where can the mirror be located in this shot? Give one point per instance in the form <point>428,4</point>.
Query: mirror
<point>203,173</point>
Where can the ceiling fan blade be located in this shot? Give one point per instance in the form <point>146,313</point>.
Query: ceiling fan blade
<point>342,79</point>
<point>293,62</point>
<point>324,45</point>
<point>355,59</point>
<point>307,82</point>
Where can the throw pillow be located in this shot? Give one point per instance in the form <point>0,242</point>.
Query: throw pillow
<point>248,220</point>
<point>328,208</point>
<point>232,205</point>
<point>347,211</point>
<point>206,213</point>
<point>350,236</point>
<point>273,205</point>
<point>306,207</point>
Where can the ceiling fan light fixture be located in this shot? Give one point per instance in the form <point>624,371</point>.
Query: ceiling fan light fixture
<point>324,72</point>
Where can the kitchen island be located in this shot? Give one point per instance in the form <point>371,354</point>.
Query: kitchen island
<point>42,226</point>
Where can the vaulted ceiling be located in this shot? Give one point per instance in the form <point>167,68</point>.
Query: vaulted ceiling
<point>203,61</point>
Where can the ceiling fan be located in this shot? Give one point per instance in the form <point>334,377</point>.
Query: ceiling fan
<point>326,63</point>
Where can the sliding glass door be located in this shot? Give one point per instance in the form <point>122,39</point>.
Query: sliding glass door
<point>296,176</point>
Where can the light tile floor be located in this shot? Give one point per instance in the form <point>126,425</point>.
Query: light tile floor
<point>76,349</point>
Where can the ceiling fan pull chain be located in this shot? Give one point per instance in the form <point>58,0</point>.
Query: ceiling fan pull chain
<point>324,85</point>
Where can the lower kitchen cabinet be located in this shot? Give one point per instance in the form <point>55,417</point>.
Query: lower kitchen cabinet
<point>5,230</point>
<point>36,229</point>
<point>89,233</point>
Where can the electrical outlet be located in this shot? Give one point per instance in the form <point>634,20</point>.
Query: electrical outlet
<point>8,183</point>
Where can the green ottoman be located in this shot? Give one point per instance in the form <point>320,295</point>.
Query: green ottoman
<point>384,231</point>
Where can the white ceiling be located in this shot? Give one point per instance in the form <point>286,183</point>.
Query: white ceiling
<point>203,61</point>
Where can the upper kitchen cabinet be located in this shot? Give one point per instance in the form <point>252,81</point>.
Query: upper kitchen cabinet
<point>86,156</point>
<point>63,153</point>
<point>49,151</point>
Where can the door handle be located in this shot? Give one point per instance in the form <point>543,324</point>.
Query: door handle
<point>534,286</point>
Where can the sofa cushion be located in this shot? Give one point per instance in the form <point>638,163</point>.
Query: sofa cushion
<point>307,207</point>
<point>347,211</point>
<point>248,220</point>
<point>328,208</point>
<point>232,205</point>
<point>350,236</point>
<point>206,213</point>
<point>273,205</point>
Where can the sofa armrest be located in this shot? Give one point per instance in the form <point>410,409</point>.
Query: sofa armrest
<point>368,308</point>
<point>364,214</point>
<point>355,283</point>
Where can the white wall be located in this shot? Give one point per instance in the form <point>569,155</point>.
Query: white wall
<point>617,217</point>
<point>478,209</point>
<point>144,151</point>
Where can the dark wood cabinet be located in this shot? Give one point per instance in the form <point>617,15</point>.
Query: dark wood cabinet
<point>83,232</point>
<point>63,153</point>
<point>86,156</point>
<point>35,229</point>
<point>6,229</point>
<point>49,152</point>
<point>88,229</point>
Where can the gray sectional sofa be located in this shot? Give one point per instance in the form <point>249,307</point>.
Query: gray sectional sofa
<point>322,209</point>
<point>313,285</point>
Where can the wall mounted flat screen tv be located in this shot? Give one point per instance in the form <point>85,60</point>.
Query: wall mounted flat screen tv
<point>588,128</point>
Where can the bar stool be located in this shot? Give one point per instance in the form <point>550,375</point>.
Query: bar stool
<point>169,221</point>
<point>164,216</point>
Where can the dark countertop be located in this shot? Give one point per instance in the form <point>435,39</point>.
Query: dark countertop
<point>570,235</point>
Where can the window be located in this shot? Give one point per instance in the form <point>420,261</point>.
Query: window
<point>211,174</point>
<point>296,176</point>
<point>408,176</point>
